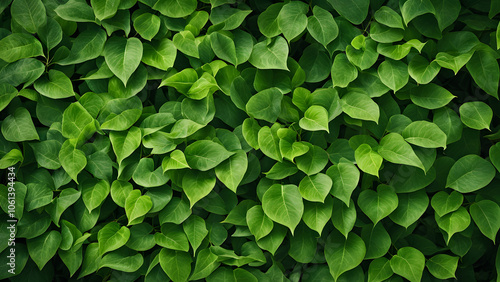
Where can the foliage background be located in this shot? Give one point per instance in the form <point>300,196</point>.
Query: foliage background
<point>228,140</point>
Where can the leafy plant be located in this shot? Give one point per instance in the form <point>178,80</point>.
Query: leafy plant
<point>225,140</point>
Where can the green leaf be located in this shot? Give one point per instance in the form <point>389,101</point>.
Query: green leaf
<point>56,86</point>
<point>484,69</point>
<point>76,11</point>
<point>231,171</point>
<point>265,105</point>
<point>122,260</point>
<point>206,263</point>
<point>172,237</point>
<point>378,205</point>
<point>44,247</point>
<point>176,160</point>
<point>315,188</point>
<point>160,54</point>
<point>345,178</point>
<point>205,154</point>
<point>411,207</point>
<point>137,206</point>
<point>72,159</point>
<point>425,134</point>
<point>7,93</point>
<point>430,96</point>
<point>395,149</point>
<point>12,157</point>
<point>93,195</point>
<point>292,19</point>
<point>476,115</point>
<point>442,266</point>
<point>313,161</point>
<point>196,231</point>
<point>453,222</point>
<point>147,176</point>
<point>316,214</point>
<point>19,127</point>
<point>269,55</point>
<point>176,264</point>
<point>368,160</point>
<point>123,56</point>
<point>112,237</point>
<point>105,9</point>
<point>388,17</point>
<point>315,119</point>
<point>353,11</point>
<point>176,211</point>
<point>322,26</point>
<point>19,46</point>
<point>197,185</point>
<point>175,8</point>
<point>269,142</point>
<point>484,213</point>
<point>87,45</point>
<point>343,216</point>
<point>394,74</point>
<point>303,245</point>
<point>379,270</point>
<point>343,72</point>
<point>408,263</point>
<point>120,191</point>
<point>360,106</point>
<point>224,47</point>
<point>362,56</point>
<point>421,70</point>
<point>258,222</point>
<point>377,240</point>
<point>470,173</point>
<point>343,253</point>
<point>268,20</point>
<point>125,142</point>
<point>30,14</point>
<point>77,122</point>
<point>147,25</point>
<point>283,204</point>
<point>444,203</point>
<point>414,8</point>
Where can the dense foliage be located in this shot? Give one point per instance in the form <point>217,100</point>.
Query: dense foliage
<point>230,140</point>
